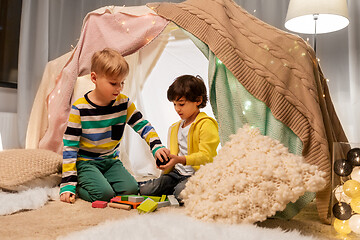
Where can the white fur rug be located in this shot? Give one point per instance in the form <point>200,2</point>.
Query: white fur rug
<point>33,198</point>
<point>167,226</point>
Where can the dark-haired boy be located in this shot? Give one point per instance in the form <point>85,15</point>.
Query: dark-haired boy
<point>192,141</point>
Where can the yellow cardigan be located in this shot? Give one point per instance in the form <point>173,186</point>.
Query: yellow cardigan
<point>202,141</point>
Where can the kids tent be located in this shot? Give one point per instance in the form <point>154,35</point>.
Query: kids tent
<point>257,74</point>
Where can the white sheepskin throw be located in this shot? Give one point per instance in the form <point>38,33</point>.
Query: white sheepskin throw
<point>25,200</point>
<point>165,226</point>
<point>251,178</point>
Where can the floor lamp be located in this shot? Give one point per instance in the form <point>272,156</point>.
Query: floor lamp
<point>316,16</point>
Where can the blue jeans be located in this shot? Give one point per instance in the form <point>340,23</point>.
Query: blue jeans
<point>168,184</point>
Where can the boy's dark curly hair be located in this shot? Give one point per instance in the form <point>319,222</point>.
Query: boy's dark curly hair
<point>190,87</point>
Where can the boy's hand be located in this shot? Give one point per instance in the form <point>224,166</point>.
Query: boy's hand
<point>162,154</point>
<point>67,197</point>
<point>174,159</point>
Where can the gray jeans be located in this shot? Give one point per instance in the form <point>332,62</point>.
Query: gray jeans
<point>168,184</point>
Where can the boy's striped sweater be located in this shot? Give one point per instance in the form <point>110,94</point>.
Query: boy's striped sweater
<point>94,133</point>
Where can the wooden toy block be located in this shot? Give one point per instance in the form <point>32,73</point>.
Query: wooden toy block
<point>163,198</point>
<point>99,204</point>
<point>120,206</point>
<point>126,197</point>
<point>115,199</point>
<point>173,201</point>
<point>132,204</point>
<point>155,198</point>
<point>135,199</point>
<point>72,199</point>
<point>163,204</point>
<point>147,206</point>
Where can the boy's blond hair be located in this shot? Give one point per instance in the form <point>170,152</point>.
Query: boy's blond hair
<point>110,63</point>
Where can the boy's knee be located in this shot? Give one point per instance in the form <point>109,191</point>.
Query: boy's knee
<point>104,195</point>
<point>146,189</point>
<point>91,195</point>
<point>128,189</point>
<point>133,190</point>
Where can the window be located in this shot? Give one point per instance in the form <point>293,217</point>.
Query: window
<point>10,15</point>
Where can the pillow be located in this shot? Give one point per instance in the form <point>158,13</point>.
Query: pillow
<point>24,168</point>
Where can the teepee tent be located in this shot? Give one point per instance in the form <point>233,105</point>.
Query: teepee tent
<point>152,70</point>
<point>257,74</point>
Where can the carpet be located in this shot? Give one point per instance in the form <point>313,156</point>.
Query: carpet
<point>167,226</point>
<point>33,214</point>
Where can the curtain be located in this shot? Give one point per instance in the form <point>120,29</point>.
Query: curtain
<point>49,29</point>
<point>352,119</point>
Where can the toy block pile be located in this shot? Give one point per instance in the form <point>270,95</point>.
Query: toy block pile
<point>144,204</point>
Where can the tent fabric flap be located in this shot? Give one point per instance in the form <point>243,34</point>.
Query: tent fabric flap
<point>121,31</point>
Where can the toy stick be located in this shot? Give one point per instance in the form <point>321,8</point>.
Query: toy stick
<point>163,198</point>
<point>120,206</point>
<point>72,198</point>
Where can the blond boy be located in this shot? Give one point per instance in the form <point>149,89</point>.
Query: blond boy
<point>96,124</point>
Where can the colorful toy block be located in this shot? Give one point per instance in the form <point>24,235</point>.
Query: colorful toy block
<point>99,204</point>
<point>115,199</point>
<point>120,206</point>
<point>163,204</point>
<point>163,198</point>
<point>155,198</point>
<point>132,204</point>
<point>126,197</point>
<point>147,206</point>
<point>135,199</point>
<point>173,201</point>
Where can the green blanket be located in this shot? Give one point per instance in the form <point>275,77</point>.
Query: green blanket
<point>233,106</point>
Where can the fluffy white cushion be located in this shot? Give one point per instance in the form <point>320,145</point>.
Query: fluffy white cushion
<point>24,168</point>
<point>251,178</point>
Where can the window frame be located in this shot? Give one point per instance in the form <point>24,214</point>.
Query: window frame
<point>4,20</point>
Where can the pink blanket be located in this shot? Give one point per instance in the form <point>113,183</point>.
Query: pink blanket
<point>123,32</point>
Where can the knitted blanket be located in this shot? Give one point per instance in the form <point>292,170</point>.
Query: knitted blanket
<point>276,67</point>
<point>21,166</point>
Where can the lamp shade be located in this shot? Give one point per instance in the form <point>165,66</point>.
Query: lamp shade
<point>332,15</point>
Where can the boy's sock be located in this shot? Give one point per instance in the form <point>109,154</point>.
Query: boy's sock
<point>142,182</point>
